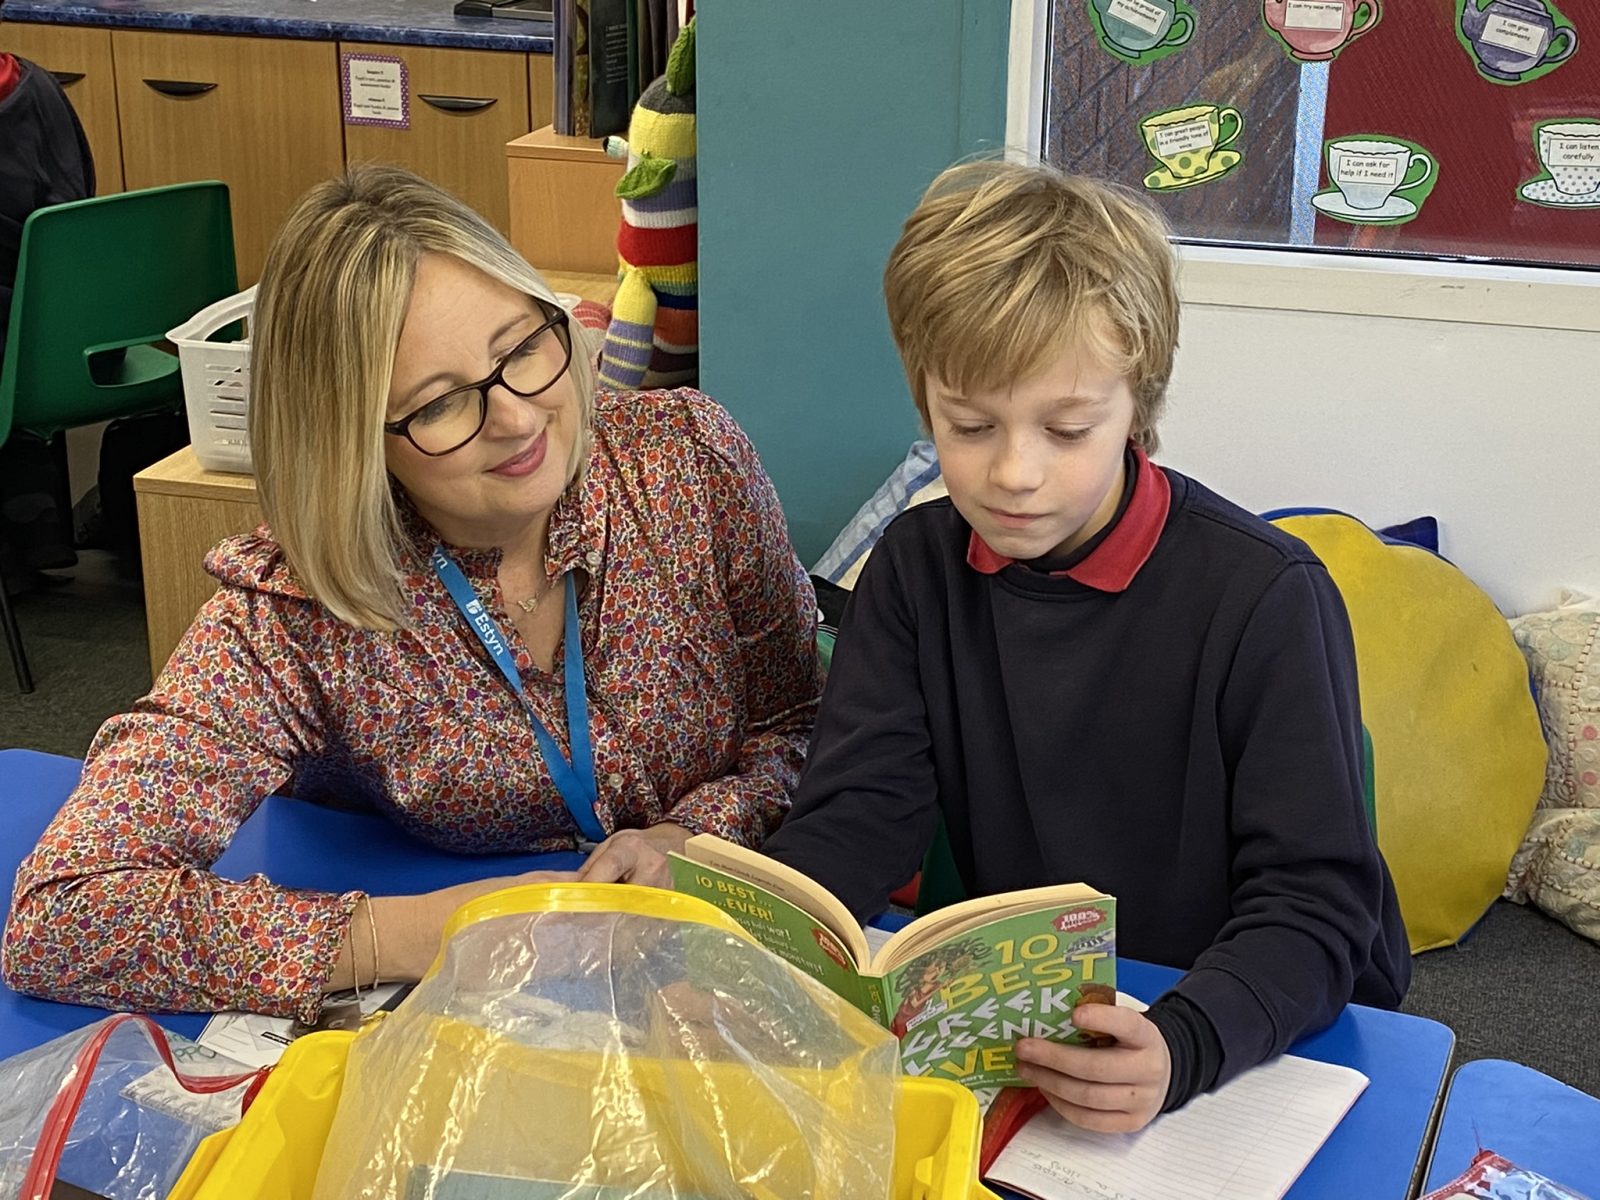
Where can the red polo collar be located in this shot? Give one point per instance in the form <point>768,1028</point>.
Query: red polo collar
<point>10,75</point>
<point>1110,566</point>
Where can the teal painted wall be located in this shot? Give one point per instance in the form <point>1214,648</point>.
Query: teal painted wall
<point>820,123</point>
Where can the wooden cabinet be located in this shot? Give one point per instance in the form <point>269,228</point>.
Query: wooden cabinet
<point>264,115</point>
<point>465,105</point>
<point>564,206</point>
<point>81,59</point>
<point>260,114</point>
<point>184,510</point>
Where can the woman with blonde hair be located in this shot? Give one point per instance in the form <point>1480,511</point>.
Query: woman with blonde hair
<point>511,612</point>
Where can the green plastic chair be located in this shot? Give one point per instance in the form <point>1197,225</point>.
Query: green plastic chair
<point>941,884</point>
<point>98,283</point>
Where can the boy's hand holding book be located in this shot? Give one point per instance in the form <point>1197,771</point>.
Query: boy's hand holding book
<point>1109,1089</point>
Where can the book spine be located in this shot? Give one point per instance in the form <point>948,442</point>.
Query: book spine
<point>565,47</point>
<point>608,67</point>
<point>579,89</point>
<point>874,998</point>
<point>635,85</point>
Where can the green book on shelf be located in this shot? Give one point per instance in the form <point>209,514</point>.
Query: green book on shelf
<point>958,987</point>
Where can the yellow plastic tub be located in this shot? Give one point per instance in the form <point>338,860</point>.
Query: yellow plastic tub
<point>275,1152</point>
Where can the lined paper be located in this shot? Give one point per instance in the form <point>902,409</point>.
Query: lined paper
<point>1249,1140</point>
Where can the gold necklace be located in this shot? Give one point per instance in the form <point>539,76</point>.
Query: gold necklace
<point>532,602</point>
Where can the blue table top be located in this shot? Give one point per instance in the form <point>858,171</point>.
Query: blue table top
<point>403,22</point>
<point>1523,1115</point>
<point>1380,1142</point>
<point>290,842</point>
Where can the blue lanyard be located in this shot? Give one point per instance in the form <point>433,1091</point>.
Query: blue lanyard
<point>575,779</point>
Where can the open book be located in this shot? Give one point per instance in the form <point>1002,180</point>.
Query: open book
<point>958,987</point>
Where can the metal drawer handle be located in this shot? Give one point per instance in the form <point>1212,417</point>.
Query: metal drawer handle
<point>67,78</point>
<point>179,87</point>
<point>458,103</point>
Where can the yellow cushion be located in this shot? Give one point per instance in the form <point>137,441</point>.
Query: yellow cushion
<point>1457,746</point>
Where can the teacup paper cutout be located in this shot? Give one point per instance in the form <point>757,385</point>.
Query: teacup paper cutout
<point>1162,180</point>
<point>1514,41</point>
<point>1568,151</point>
<point>1142,31</point>
<point>1375,179</point>
<point>1317,30</point>
<point>1191,144</point>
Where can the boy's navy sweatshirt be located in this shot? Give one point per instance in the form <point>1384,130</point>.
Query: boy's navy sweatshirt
<point>1173,720</point>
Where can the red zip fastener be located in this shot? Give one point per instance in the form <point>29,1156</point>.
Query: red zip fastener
<point>41,1175</point>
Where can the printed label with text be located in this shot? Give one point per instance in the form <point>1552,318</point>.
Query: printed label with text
<point>1573,152</point>
<point>1368,168</point>
<point>1511,34</point>
<point>1314,14</point>
<point>1139,13</point>
<point>1183,138</point>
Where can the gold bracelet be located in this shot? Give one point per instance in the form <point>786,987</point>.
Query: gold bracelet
<point>372,926</point>
<point>350,945</point>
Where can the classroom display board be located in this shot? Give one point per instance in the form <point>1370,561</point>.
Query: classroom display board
<point>1449,128</point>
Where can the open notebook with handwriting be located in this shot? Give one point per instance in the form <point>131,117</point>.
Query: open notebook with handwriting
<point>1248,1140</point>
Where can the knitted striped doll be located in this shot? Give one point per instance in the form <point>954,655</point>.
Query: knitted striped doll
<point>654,338</point>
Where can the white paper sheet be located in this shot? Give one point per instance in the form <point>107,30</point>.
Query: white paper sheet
<point>1249,1140</point>
<point>258,1041</point>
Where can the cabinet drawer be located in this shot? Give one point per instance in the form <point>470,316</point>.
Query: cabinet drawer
<point>261,114</point>
<point>465,105</point>
<point>81,59</point>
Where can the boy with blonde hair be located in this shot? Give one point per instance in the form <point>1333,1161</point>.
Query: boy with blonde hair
<point>1093,668</point>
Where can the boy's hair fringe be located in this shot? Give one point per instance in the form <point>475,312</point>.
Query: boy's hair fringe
<point>1003,264</point>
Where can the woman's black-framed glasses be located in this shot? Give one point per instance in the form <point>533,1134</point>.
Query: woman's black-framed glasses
<point>448,422</point>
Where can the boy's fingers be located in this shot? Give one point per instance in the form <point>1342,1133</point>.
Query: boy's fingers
<point>1094,1064</point>
<point>1130,1028</point>
<point>1102,1097</point>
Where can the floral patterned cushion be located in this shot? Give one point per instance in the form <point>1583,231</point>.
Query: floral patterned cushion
<point>1558,865</point>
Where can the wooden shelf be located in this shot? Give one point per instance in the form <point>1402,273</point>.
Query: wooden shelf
<point>546,143</point>
<point>180,474</point>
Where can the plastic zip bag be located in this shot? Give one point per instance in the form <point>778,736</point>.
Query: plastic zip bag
<point>107,1108</point>
<point>580,1042</point>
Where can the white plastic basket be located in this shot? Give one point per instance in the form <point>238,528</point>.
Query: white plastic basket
<point>216,384</point>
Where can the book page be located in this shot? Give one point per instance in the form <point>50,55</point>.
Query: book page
<point>783,882</point>
<point>956,919</point>
<point>877,938</point>
<point>1249,1140</point>
<point>793,933</point>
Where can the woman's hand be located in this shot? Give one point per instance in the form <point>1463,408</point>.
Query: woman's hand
<point>1110,1089</point>
<point>405,931</point>
<point>636,856</point>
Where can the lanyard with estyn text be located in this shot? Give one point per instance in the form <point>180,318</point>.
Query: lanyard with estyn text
<point>575,779</point>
